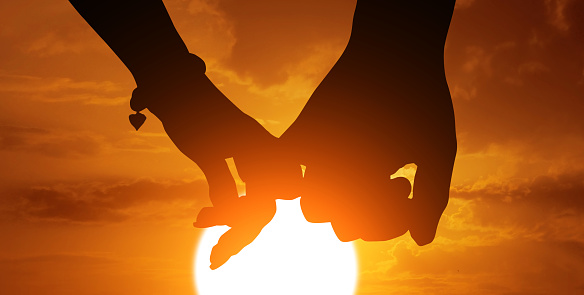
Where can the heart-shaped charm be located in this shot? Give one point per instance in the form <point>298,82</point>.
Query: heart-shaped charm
<point>137,120</point>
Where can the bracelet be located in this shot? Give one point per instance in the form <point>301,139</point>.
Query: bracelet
<point>141,98</point>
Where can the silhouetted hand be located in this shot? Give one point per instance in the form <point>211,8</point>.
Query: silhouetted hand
<point>384,104</point>
<point>356,131</point>
<point>208,129</point>
<point>198,118</point>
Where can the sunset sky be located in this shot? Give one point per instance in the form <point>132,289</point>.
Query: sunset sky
<point>90,206</point>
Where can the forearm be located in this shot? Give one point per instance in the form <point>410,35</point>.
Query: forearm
<point>412,26</point>
<point>140,32</point>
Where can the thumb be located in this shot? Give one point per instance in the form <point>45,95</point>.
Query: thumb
<point>431,193</point>
<point>255,214</point>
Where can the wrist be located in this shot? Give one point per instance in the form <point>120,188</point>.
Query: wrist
<point>158,76</point>
<point>164,74</point>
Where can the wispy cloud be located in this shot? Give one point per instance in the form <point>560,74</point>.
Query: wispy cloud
<point>204,27</point>
<point>62,89</point>
<point>105,202</point>
<point>70,40</point>
<point>556,10</point>
<point>461,4</point>
<point>492,240</point>
<point>50,143</point>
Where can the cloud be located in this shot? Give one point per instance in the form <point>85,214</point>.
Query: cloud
<point>574,13</point>
<point>526,71</point>
<point>546,210</point>
<point>461,4</point>
<point>50,143</point>
<point>514,267</point>
<point>144,142</point>
<point>277,104</point>
<point>205,28</point>
<point>556,10</point>
<point>19,274</point>
<point>532,67</point>
<point>516,237</point>
<point>105,202</point>
<point>61,89</point>
<point>73,144</point>
<point>513,77</point>
<point>264,51</point>
<point>554,192</point>
<point>303,77</point>
<point>72,259</point>
<point>44,29</point>
<point>66,40</point>
<point>138,260</point>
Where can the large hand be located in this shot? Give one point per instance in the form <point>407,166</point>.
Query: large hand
<point>208,128</point>
<point>356,131</point>
<point>384,104</point>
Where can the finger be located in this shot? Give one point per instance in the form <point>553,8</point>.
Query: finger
<point>231,243</point>
<point>388,213</point>
<point>346,229</point>
<point>431,192</point>
<point>211,216</point>
<point>222,187</point>
<point>243,230</point>
<point>322,195</point>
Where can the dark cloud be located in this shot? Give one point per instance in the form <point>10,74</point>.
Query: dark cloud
<point>18,274</point>
<point>574,14</point>
<point>44,29</point>
<point>49,143</point>
<point>561,192</point>
<point>49,39</point>
<point>106,202</point>
<point>71,259</point>
<point>546,208</point>
<point>272,35</point>
<point>514,75</point>
<point>13,137</point>
<point>62,89</point>
<point>514,266</point>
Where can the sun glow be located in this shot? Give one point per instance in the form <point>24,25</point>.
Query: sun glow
<point>290,256</point>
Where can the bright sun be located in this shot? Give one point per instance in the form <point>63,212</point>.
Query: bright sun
<point>290,256</point>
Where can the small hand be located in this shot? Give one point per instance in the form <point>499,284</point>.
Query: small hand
<point>208,129</point>
<point>271,176</point>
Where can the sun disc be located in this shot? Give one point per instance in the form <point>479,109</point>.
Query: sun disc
<point>290,256</point>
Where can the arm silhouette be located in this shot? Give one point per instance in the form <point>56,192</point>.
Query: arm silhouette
<point>383,105</point>
<point>204,124</point>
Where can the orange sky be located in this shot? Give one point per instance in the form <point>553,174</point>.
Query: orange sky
<point>89,206</point>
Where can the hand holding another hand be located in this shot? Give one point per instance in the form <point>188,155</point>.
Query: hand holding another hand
<point>367,119</point>
<point>208,128</point>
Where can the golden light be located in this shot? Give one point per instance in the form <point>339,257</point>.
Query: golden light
<point>290,256</point>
